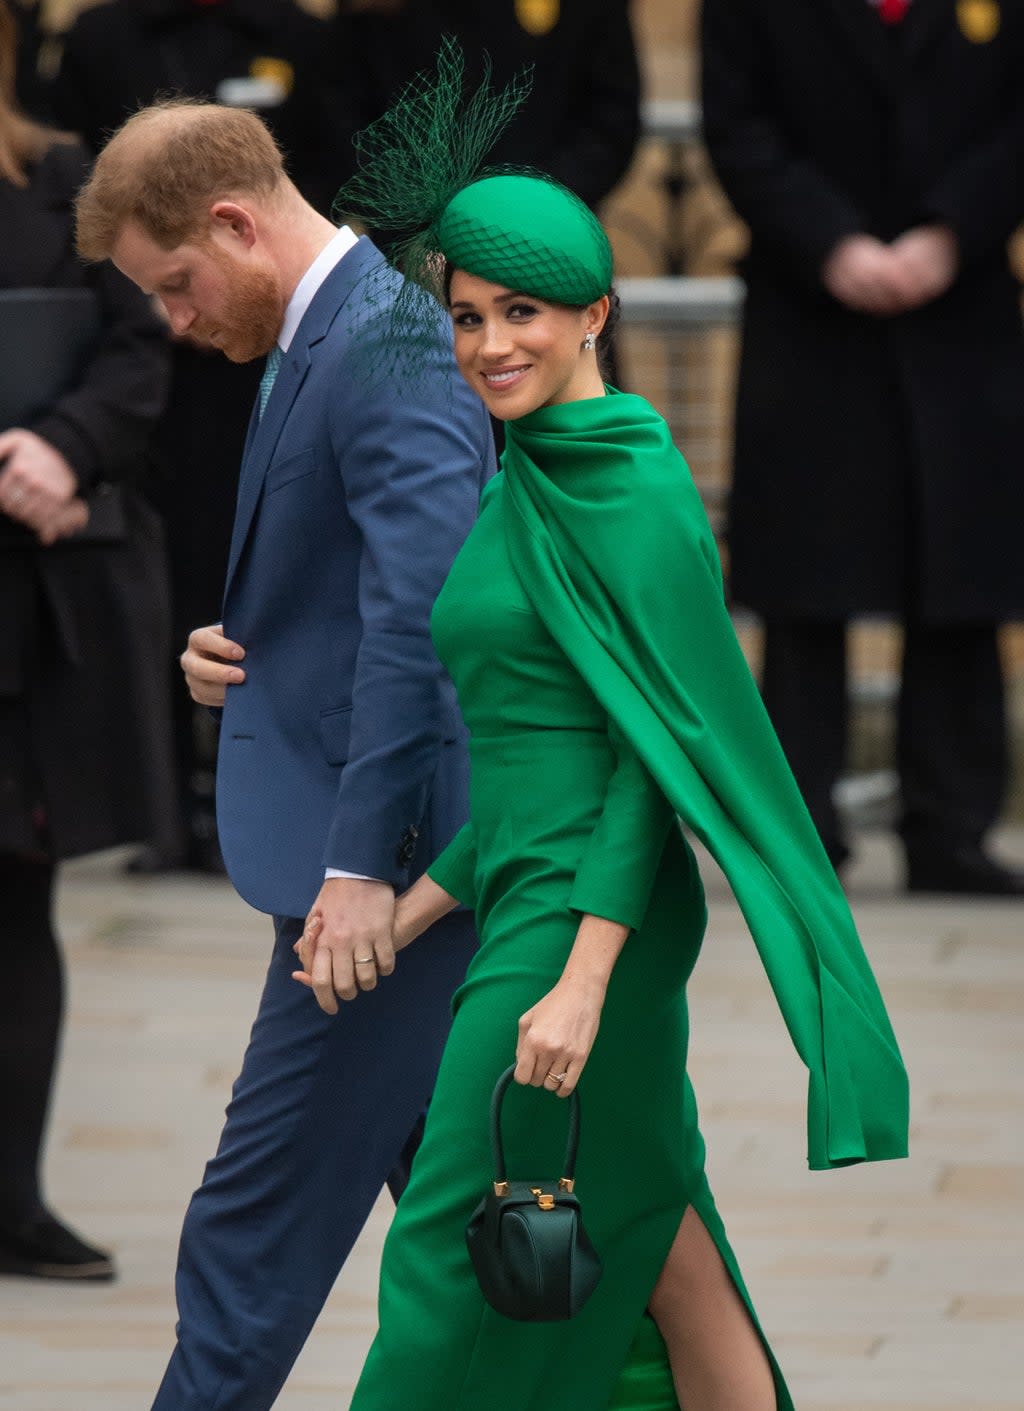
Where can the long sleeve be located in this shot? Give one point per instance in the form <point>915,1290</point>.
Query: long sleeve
<point>981,197</point>
<point>413,495</point>
<point>788,202</point>
<point>455,868</point>
<point>618,868</point>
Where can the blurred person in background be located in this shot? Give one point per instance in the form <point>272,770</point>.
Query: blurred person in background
<point>83,629</point>
<point>581,122</point>
<point>880,409</point>
<point>259,54</point>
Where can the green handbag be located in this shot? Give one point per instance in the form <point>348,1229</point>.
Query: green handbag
<point>526,1240</point>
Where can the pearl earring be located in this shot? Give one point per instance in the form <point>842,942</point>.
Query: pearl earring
<point>589,342</point>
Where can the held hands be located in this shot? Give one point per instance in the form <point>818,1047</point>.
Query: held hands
<point>872,277</point>
<point>210,663</point>
<point>352,921</point>
<point>38,486</point>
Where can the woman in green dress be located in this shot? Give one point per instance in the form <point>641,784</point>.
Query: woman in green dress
<point>606,697</point>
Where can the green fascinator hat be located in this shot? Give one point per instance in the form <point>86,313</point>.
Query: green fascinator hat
<point>423,190</point>
<point>529,234</point>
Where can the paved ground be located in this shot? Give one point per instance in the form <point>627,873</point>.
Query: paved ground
<point>890,1288</point>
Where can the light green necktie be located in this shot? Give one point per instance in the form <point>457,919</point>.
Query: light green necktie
<point>269,374</point>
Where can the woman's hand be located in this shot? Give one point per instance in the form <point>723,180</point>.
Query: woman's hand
<point>37,482</point>
<point>73,517</point>
<point>557,1034</point>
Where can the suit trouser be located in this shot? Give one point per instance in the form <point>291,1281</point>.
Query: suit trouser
<point>321,1114</point>
<point>951,744</point>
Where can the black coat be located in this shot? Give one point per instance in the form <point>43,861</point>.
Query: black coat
<point>83,627</point>
<point>878,462</point>
<point>123,55</point>
<point>582,119</point>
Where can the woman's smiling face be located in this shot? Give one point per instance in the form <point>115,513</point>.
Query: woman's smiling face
<point>519,353</point>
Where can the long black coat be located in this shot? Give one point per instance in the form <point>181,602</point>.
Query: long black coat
<point>582,119</point>
<point>121,56</point>
<point>84,733</point>
<point>879,463</point>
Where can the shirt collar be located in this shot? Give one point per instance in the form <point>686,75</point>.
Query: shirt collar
<point>305,291</point>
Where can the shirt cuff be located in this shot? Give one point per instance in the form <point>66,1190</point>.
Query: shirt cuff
<point>330,872</point>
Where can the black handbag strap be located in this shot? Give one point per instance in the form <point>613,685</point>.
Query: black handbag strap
<point>501,1087</point>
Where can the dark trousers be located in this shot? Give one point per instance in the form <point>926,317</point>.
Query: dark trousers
<point>325,1110</point>
<point>951,747</point>
<point>31,1009</point>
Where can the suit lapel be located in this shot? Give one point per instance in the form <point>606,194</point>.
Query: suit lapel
<point>265,433</point>
<point>867,38</point>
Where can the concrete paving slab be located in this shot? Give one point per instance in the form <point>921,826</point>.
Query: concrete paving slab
<point>890,1288</point>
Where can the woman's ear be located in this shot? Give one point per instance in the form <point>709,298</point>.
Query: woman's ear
<point>596,315</point>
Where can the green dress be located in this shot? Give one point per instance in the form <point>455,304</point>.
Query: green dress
<point>605,694</point>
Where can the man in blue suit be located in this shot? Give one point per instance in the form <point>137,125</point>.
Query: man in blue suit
<point>342,768</point>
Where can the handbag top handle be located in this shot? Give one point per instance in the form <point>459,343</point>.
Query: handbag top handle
<point>498,1146</point>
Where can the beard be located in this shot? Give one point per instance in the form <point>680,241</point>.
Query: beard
<point>253,311</point>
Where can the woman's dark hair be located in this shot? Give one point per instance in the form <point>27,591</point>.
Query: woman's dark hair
<point>604,338</point>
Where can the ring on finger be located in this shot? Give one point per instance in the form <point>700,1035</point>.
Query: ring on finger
<point>365,959</point>
<point>559,1077</point>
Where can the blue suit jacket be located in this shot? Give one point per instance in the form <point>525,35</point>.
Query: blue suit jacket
<point>344,746</point>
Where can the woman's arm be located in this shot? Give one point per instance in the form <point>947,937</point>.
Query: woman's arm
<point>611,890</point>
<point>418,908</point>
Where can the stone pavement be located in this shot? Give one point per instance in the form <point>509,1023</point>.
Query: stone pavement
<point>889,1288</point>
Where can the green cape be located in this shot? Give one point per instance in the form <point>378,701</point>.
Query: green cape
<point>609,538</point>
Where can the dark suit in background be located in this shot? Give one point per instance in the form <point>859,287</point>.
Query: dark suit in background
<point>119,57</point>
<point>84,638</point>
<point>582,119</point>
<point>878,460</point>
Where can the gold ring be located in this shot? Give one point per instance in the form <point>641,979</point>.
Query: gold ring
<point>366,960</point>
<point>559,1077</point>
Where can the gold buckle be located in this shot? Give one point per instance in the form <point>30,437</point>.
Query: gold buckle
<point>545,1199</point>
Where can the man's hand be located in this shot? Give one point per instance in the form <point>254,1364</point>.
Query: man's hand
<point>36,482</point>
<point>347,940</point>
<point>210,665</point>
<point>927,260</point>
<point>861,273</point>
<point>874,278</point>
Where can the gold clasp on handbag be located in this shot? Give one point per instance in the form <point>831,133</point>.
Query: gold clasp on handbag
<point>545,1200</point>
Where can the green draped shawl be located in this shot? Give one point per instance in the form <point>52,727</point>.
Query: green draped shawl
<point>610,541</point>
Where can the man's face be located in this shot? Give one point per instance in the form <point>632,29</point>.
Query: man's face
<point>217,290</point>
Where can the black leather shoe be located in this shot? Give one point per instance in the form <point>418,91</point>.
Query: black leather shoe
<point>46,1249</point>
<point>967,871</point>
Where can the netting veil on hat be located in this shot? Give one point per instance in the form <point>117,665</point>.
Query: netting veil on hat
<point>422,182</point>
